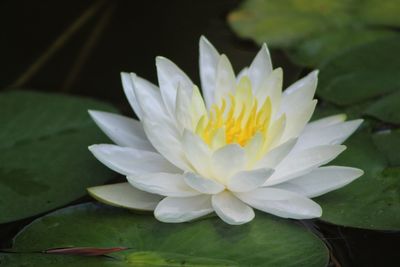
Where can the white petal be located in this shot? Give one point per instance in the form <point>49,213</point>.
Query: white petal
<point>183,209</point>
<point>203,185</point>
<point>243,72</point>
<point>252,148</point>
<point>227,161</point>
<point>321,180</point>
<point>226,80</point>
<point>297,119</point>
<point>327,121</point>
<point>122,130</point>
<point>125,196</point>
<point>149,99</point>
<point>197,107</point>
<point>245,181</point>
<point>208,62</point>
<point>260,67</point>
<point>130,161</point>
<point>276,155</point>
<point>275,132</point>
<point>197,152</point>
<point>281,203</point>
<point>302,162</point>
<point>299,93</point>
<point>182,109</point>
<point>165,184</point>
<point>329,135</point>
<point>166,142</point>
<point>130,93</point>
<point>231,210</point>
<point>170,77</point>
<point>271,86</point>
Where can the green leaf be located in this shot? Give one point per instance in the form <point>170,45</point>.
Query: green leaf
<point>386,109</point>
<point>282,23</point>
<point>266,241</point>
<point>360,74</point>
<point>286,22</point>
<point>370,202</point>
<point>388,142</point>
<point>44,160</point>
<point>316,50</point>
<point>315,30</point>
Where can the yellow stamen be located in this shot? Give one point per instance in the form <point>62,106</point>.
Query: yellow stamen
<point>240,122</point>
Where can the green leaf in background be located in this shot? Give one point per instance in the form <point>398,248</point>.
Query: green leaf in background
<point>266,241</point>
<point>44,160</point>
<point>315,30</point>
<point>388,142</point>
<point>386,109</point>
<point>362,73</point>
<point>285,22</point>
<point>370,202</point>
<point>316,50</point>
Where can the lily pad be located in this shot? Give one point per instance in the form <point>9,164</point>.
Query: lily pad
<point>266,241</point>
<point>370,202</point>
<point>388,142</point>
<point>386,109</point>
<point>284,23</point>
<point>316,50</point>
<point>361,74</point>
<point>315,30</point>
<point>44,160</point>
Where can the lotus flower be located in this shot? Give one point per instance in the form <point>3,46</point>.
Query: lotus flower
<point>244,145</point>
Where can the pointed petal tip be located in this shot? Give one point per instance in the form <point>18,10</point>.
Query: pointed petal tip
<point>204,39</point>
<point>315,73</point>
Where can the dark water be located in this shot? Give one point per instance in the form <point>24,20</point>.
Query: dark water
<point>80,47</point>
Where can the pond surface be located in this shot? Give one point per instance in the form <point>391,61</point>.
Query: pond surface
<point>80,47</point>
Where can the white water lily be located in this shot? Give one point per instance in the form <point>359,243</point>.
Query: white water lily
<point>246,146</point>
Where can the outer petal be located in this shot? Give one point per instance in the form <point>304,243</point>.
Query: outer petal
<point>227,161</point>
<point>129,161</point>
<point>183,209</point>
<point>203,185</point>
<point>209,58</point>
<point>281,203</point>
<point>276,155</point>
<point>299,93</point>
<point>260,67</point>
<point>130,93</point>
<point>226,80</point>
<point>165,184</point>
<point>169,78</point>
<point>302,162</point>
<point>327,121</point>
<point>124,195</point>
<point>149,100</point>
<point>329,135</point>
<point>231,210</point>
<point>321,180</point>
<point>166,142</point>
<point>245,181</point>
<point>297,119</point>
<point>122,130</point>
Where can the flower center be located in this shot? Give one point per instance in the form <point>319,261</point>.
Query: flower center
<point>236,119</point>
